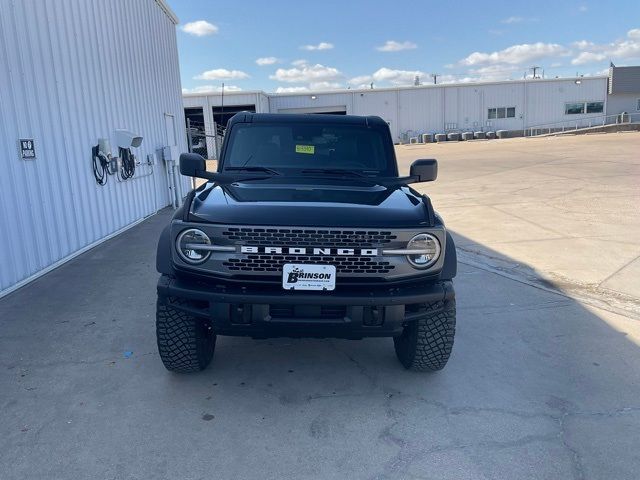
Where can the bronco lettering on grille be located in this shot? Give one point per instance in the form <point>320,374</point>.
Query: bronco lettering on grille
<point>369,252</point>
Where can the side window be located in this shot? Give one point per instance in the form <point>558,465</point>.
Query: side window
<point>595,107</point>
<point>638,105</point>
<point>501,112</point>
<point>573,108</point>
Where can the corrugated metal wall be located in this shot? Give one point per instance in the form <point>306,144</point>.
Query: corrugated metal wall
<point>72,71</point>
<point>629,103</point>
<point>546,100</point>
<point>436,108</point>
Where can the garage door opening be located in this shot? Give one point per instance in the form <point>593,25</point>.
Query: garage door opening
<point>196,135</point>
<point>222,115</point>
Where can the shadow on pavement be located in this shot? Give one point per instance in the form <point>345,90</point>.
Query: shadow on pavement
<point>538,386</point>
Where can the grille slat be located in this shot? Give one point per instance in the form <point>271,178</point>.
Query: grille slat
<point>302,238</point>
<point>352,264</point>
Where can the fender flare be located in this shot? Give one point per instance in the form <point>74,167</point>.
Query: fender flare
<point>450,267</point>
<point>164,262</point>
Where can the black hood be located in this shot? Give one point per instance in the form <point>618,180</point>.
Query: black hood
<point>310,203</point>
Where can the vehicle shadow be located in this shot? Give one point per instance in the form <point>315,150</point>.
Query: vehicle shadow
<point>538,386</point>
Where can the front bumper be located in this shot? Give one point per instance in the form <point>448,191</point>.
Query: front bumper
<point>265,311</point>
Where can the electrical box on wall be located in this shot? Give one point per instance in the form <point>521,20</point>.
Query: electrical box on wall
<point>170,154</point>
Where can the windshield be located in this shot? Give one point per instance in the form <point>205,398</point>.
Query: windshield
<point>312,147</point>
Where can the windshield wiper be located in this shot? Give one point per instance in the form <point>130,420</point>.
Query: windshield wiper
<point>252,169</point>
<point>335,171</point>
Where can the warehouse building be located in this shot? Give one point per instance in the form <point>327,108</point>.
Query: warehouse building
<point>90,109</point>
<point>515,106</point>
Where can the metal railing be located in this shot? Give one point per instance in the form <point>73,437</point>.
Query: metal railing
<point>582,123</point>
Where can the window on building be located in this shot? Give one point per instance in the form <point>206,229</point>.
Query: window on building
<point>638,105</point>
<point>595,107</point>
<point>573,108</point>
<point>501,112</point>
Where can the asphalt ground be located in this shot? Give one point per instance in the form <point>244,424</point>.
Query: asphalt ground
<point>543,383</point>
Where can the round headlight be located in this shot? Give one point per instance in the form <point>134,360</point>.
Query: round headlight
<point>429,248</point>
<point>187,246</point>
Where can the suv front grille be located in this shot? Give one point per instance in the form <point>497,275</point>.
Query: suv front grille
<point>308,237</point>
<point>343,264</point>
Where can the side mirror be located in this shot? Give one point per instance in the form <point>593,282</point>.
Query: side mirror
<point>425,170</point>
<point>192,164</point>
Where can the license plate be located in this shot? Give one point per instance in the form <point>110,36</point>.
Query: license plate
<point>298,276</point>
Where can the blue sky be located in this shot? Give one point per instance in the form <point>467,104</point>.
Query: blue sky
<point>339,44</point>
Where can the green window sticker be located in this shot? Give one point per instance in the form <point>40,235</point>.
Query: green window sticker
<point>308,149</point>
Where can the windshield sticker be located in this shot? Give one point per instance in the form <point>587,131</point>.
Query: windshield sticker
<point>308,149</point>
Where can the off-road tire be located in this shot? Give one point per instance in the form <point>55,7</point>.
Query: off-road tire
<point>426,343</point>
<point>185,343</point>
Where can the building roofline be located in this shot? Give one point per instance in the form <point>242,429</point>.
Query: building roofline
<point>235,92</point>
<point>439,85</point>
<point>394,89</point>
<point>167,10</point>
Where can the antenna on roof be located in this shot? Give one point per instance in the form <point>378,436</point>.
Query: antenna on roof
<point>535,69</point>
<point>435,77</point>
<point>222,109</point>
<point>371,85</point>
<point>416,81</point>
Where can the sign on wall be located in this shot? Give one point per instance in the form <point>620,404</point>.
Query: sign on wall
<point>27,149</point>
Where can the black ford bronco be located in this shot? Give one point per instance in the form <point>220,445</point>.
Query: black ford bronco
<point>306,230</point>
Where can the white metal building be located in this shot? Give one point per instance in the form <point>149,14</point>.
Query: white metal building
<point>70,73</point>
<point>508,105</point>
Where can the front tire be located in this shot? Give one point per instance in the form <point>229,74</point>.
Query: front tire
<point>426,343</point>
<point>185,343</point>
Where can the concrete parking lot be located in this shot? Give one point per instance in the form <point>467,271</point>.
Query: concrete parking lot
<point>543,383</point>
<point>560,211</point>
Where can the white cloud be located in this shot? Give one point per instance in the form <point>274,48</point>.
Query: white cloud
<point>619,49</point>
<point>517,19</point>
<point>262,61</point>
<point>325,85</point>
<point>199,28</point>
<point>511,20</point>
<point>396,77</point>
<point>211,89</point>
<point>393,46</point>
<point>361,80</point>
<point>494,72</point>
<point>516,54</point>
<point>305,73</point>
<point>583,44</point>
<point>320,46</point>
<point>292,89</point>
<point>588,57</point>
<point>390,76</point>
<point>221,74</point>
<point>299,63</point>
